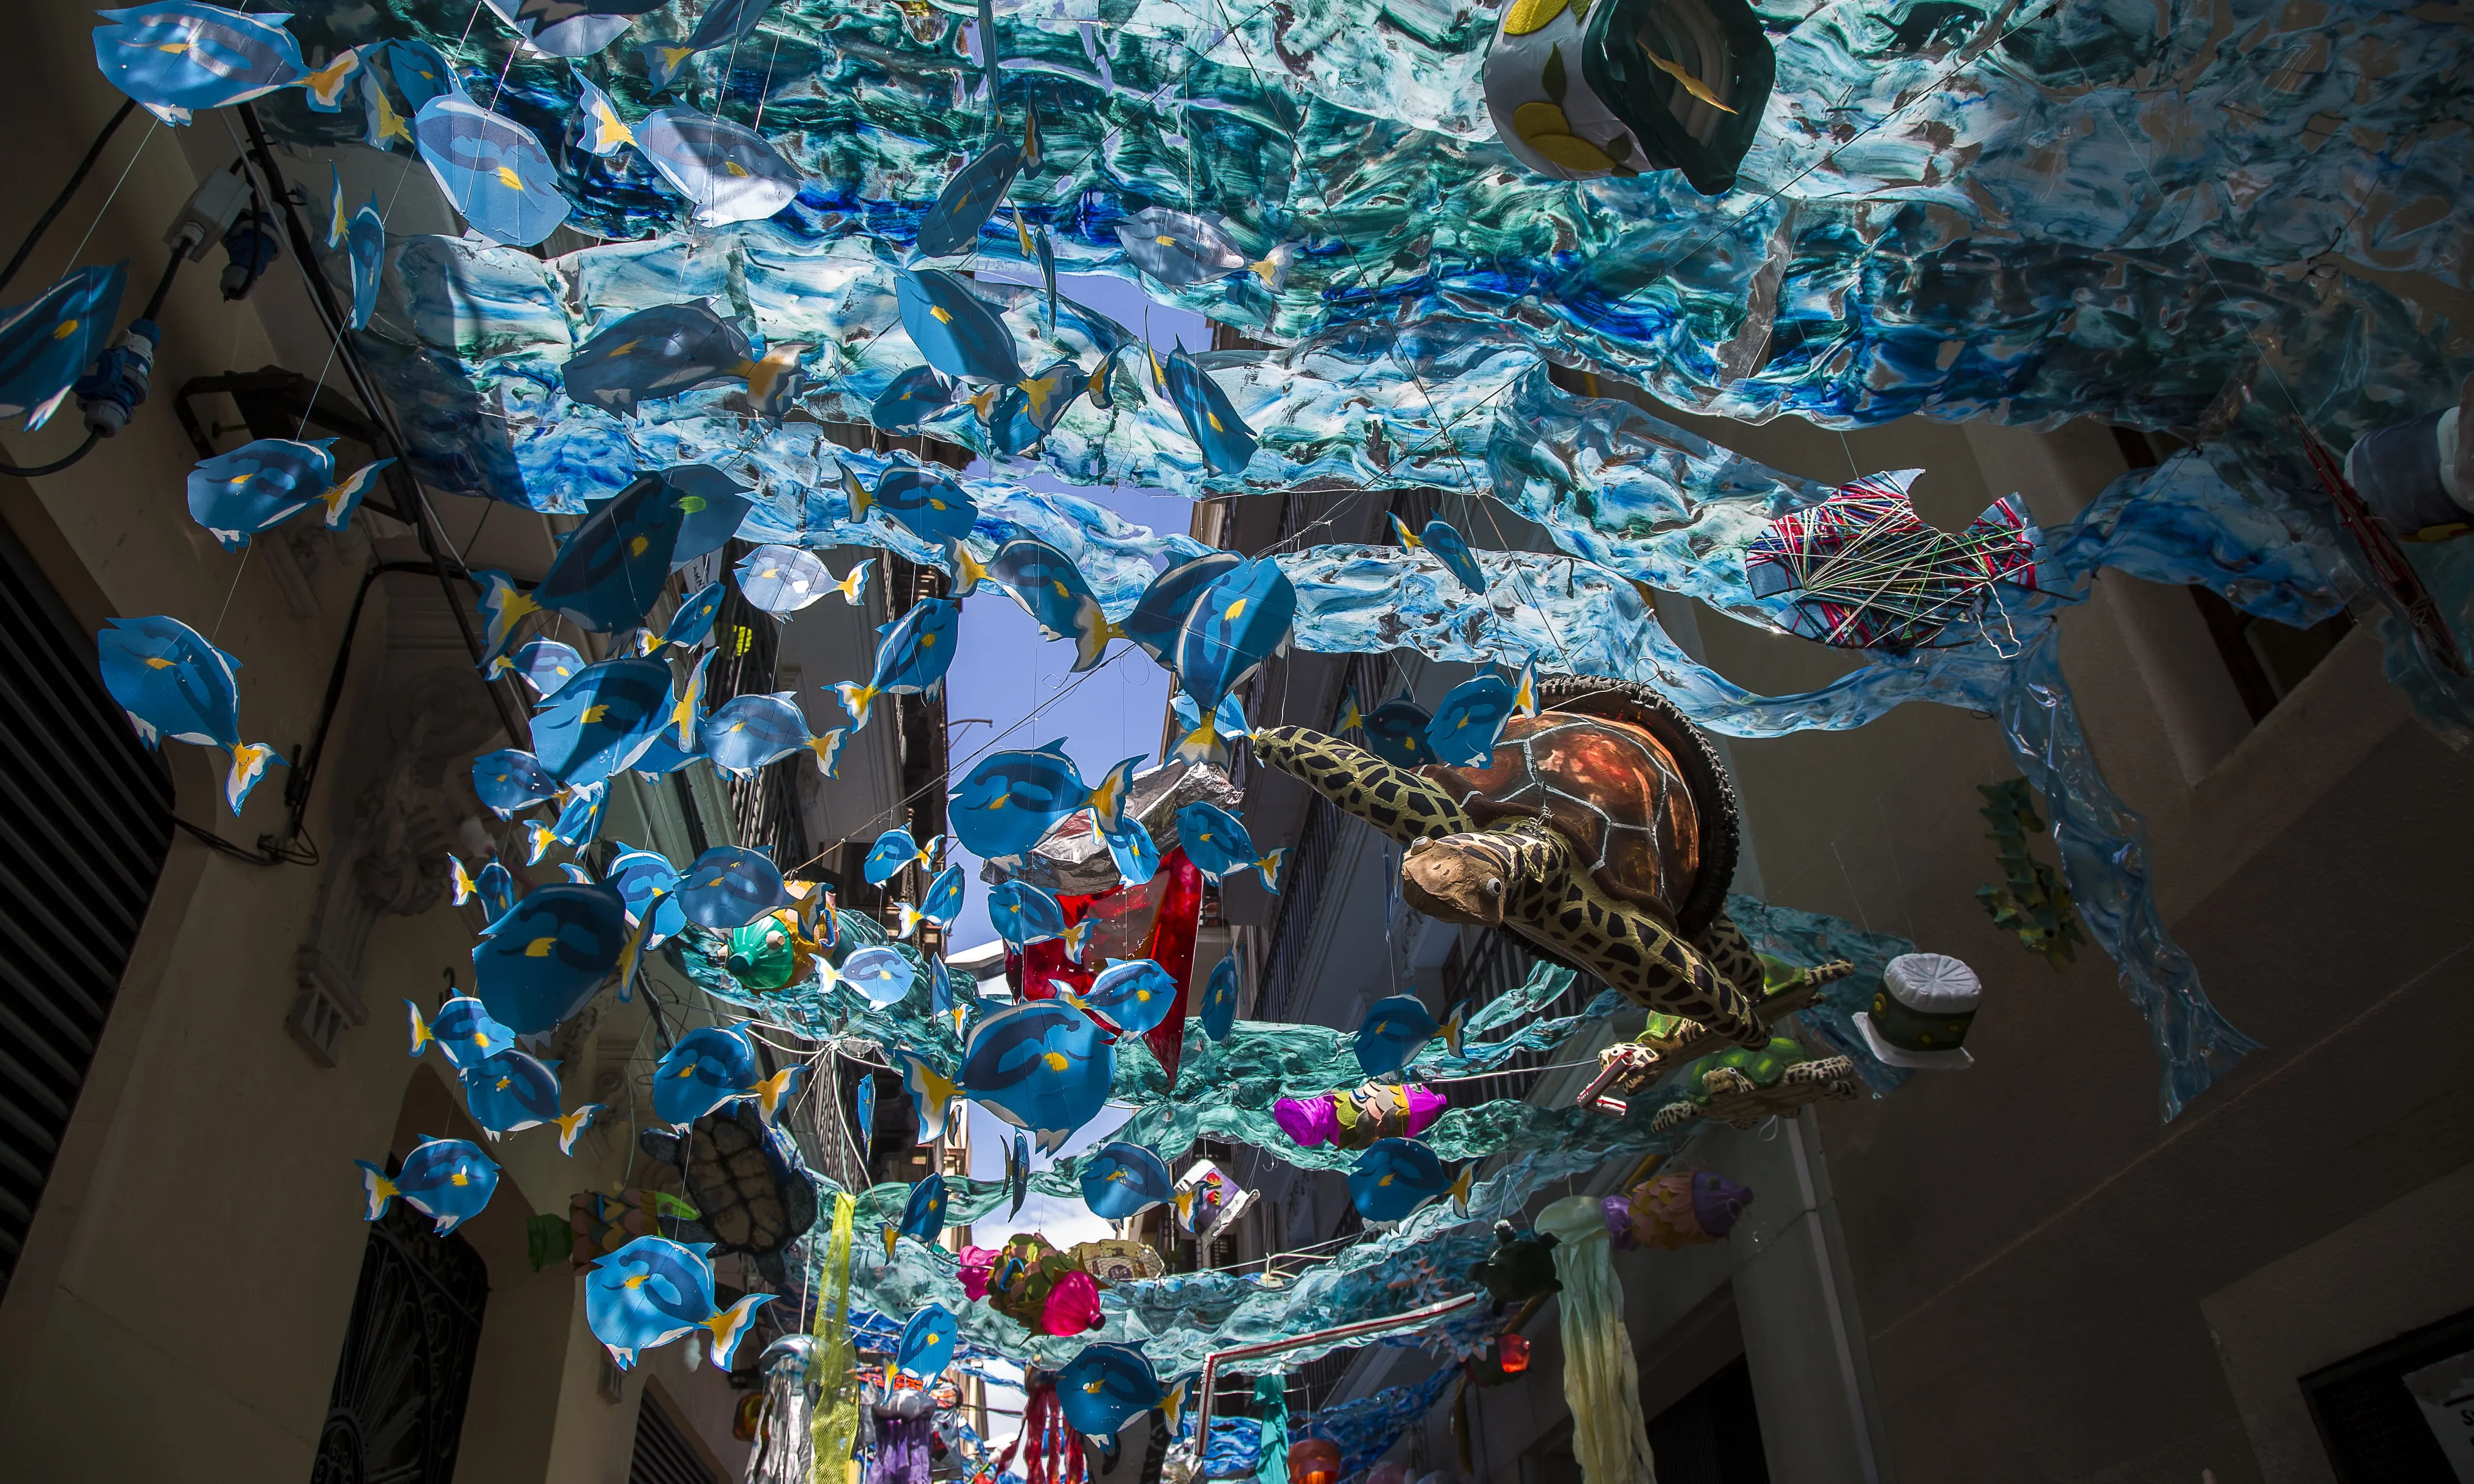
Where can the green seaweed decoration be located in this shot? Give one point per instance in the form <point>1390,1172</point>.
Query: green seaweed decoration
<point>2032,901</point>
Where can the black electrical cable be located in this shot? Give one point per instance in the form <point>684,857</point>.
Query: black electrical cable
<point>162,287</point>
<point>77,178</point>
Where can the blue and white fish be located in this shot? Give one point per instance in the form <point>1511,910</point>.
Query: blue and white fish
<point>547,956</point>
<point>1396,732</point>
<point>746,732</point>
<point>546,664</point>
<point>1110,797</point>
<point>1159,617</point>
<point>1042,1066</point>
<point>449,1181</point>
<point>932,1092</point>
<point>694,621</point>
<point>646,880</point>
<point>912,654</point>
<point>1216,842</point>
<point>604,132</point>
<point>927,1344</point>
<point>969,199</point>
<point>327,86</point>
<point>510,1092</point>
<point>1468,719</point>
<point>910,396</point>
<point>1220,1000</point>
<point>603,720</point>
<point>497,886</point>
<point>879,974</point>
<point>1019,415</point>
<point>1017,1174</point>
<point>1211,419</point>
<point>172,683</point>
<point>570,28</point>
<point>463,1029</point>
<point>956,332</point>
<point>508,780</point>
<point>1122,1179</point>
<point>653,1291</point>
<point>923,1215</point>
<point>261,484</point>
<point>1023,915</point>
<point>1054,592</point>
<point>48,341</point>
<point>863,1115</point>
<point>714,506</point>
<point>928,506</point>
<point>1445,545</point>
<point>663,352</point>
<point>1397,1028</point>
<point>942,903</point>
<point>730,886</point>
<point>579,820</point>
<point>1396,1177</point>
<point>1078,936</point>
<point>894,852</point>
<point>421,73</point>
<point>176,55</point>
<point>1349,717</point>
<point>1134,994</point>
<point>1133,852</point>
<point>1235,626</point>
<point>1009,799</point>
<point>1180,248</point>
<point>1106,1386</point>
<point>502,605</point>
<point>1036,247</point>
<point>710,1066</point>
<point>492,170</point>
<point>1227,724</point>
<point>727,171</point>
<point>782,579</point>
<point>362,236</point>
<point>1524,689</point>
<point>609,570</point>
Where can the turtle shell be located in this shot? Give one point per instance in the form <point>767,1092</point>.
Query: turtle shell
<point>749,1181</point>
<point>1622,775</point>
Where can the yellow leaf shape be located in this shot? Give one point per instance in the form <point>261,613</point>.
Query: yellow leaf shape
<point>1528,15</point>
<point>1532,119</point>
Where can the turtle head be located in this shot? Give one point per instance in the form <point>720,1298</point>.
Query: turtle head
<point>1456,879</point>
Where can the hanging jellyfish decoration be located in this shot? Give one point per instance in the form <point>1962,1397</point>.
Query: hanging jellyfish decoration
<point>1862,571</point>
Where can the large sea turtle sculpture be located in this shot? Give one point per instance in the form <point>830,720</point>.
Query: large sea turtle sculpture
<point>754,1192</point>
<point>1602,832</point>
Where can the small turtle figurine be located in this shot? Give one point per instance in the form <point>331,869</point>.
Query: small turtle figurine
<point>1602,832</point>
<point>1520,1268</point>
<point>746,1178</point>
<point>1742,1086</point>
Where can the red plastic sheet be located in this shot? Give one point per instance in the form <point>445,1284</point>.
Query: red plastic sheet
<point>1155,920</point>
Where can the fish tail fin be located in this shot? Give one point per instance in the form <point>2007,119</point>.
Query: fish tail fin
<point>380,1190</point>
<point>828,750</point>
<point>730,1326</point>
<point>1091,637</point>
<point>969,570</point>
<point>460,882</point>
<point>1461,1188</point>
<point>250,761</point>
<point>855,698</point>
<point>569,1124</point>
<point>853,586</point>
<point>1270,868</point>
<point>1172,1405</point>
<point>1202,744</point>
<point>422,1035</point>
<point>1456,1028</point>
<point>859,497</point>
<point>346,497</point>
<point>1274,268</point>
<point>541,836</point>
<point>1408,537</point>
<point>892,1234</point>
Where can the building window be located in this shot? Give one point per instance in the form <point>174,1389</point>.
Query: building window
<point>2375,1430</point>
<point>1714,1434</point>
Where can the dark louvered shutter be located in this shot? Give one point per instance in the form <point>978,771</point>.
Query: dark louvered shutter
<point>664,1455</point>
<point>85,815</point>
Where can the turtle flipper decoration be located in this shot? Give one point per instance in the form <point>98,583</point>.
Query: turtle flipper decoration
<point>1743,1085</point>
<point>1602,832</point>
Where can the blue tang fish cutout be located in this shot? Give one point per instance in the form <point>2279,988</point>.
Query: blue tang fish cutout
<point>927,1344</point>
<point>1211,419</point>
<point>880,974</point>
<point>264,483</point>
<point>1468,719</point>
<point>1052,591</point>
<point>603,720</point>
<point>496,887</point>
<point>689,626</point>
<point>664,757</point>
<point>1524,689</point>
<point>1169,601</point>
<point>913,653</point>
<point>544,960</point>
<point>1396,1029</point>
<point>571,28</point>
<point>1133,851</point>
<point>172,683</point>
<point>942,903</point>
<point>610,569</point>
<point>1396,732</point>
<point>1041,1066</point>
<point>1121,1180</point>
<point>1216,842</point>
<point>1446,547</point>
<point>502,606</point>
<point>492,170</point>
<point>1021,415</point>
<point>1220,1000</point>
<point>604,132</point>
<point>449,1181</point>
<point>1106,1386</point>
<point>547,665</point>
<point>421,73</point>
<point>1135,995</point>
<point>646,878</point>
<point>730,886</point>
<point>956,332</point>
<point>508,780</point>
<point>782,579</point>
<point>327,86</point>
<point>928,506</point>
<point>1347,717</point>
<point>715,505</point>
<point>662,351</point>
<point>1036,247</point>
<point>913,395</point>
<point>746,732</point>
<point>923,1215</point>
<point>968,199</point>
<point>462,1029</point>
<point>726,171</point>
<point>362,236</point>
<point>707,1067</point>
<point>48,342</point>
<point>177,57</point>
<point>581,820</point>
<point>725,23</point>
<point>1396,1177</point>
<point>1009,799</point>
<point>653,1291</point>
<point>1180,248</point>
<point>510,1092</point>
<point>863,1115</point>
<point>1240,619</point>
<point>683,724</point>
<point>932,1092</point>
<point>1017,1172</point>
<point>1227,724</point>
<point>893,852</point>
<point>1023,915</point>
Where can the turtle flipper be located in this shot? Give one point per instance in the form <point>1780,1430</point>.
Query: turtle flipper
<point>1723,944</point>
<point>1393,799</point>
